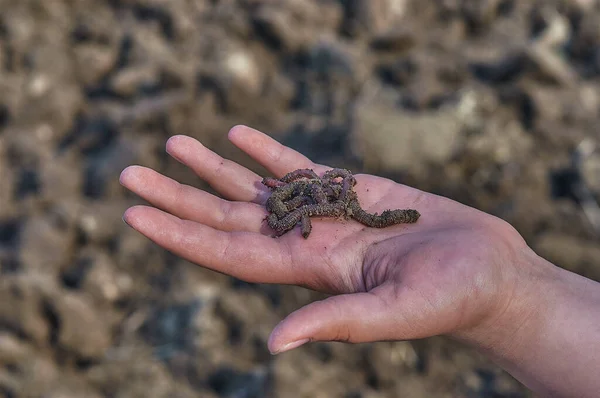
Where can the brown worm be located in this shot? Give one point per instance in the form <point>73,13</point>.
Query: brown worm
<point>301,194</point>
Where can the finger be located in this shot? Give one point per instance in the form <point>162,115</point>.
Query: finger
<point>192,204</point>
<point>348,317</point>
<point>272,155</point>
<point>355,318</point>
<point>226,177</point>
<point>248,256</point>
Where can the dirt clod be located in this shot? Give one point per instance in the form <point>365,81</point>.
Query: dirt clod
<point>485,102</point>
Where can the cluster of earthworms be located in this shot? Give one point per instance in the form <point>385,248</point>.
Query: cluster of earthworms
<point>302,194</point>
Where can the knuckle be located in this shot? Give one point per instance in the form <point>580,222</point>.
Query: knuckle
<point>278,154</point>
<point>343,334</point>
<point>220,166</point>
<point>223,215</point>
<point>177,237</point>
<point>179,193</point>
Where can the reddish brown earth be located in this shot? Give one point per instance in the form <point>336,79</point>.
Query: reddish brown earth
<point>481,101</point>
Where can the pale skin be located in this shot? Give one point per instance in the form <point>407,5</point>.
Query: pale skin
<point>457,272</point>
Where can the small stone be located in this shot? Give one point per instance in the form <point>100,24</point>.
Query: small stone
<point>505,385</point>
<point>26,363</point>
<point>591,171</point>
<point>543,100</point>
<point>81,328</point>
<point>99,220</point>
<point>94,61</point>
<point>473,381</point>
<point>61,178</point>
<point>101,177</point>
<point>21,309</point>
<point>549,65</point>
<point>128,81</point>
<point>479,15</point>
<point>389,359</point>
<point>544,52</point>
<point>12,350</point>
<point>297,25</point>
<point>373,16</point>
<point>338,61</point>
<point>132,248</point>
<point>46,243</point>
<point>170,327</point>
<point>94,272</point>
<point>228,382</point>
<point>39,85</point>
<point>243,71</point>
<point>275,27</point>
<point>395,40</point>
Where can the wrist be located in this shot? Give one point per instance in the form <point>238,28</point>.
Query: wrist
<point>520,310</point>
<point>547,334</point>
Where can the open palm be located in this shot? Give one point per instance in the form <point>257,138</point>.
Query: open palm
<point>446,274</point>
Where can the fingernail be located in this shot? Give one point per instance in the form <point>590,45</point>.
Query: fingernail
<point>173,154</point>
<point>291,346</point>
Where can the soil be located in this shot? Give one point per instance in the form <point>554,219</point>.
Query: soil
<point>486,102</point>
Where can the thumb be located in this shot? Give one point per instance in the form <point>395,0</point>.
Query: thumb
<point>356,318</point>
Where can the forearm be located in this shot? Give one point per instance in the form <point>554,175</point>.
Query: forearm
<point>549,337</point>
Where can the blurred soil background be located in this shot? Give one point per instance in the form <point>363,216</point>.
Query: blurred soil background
<point>493,103</point>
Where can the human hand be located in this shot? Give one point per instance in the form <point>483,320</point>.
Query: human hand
<point>453,272</point>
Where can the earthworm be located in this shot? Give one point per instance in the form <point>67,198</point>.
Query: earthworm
<point>301,194</point>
